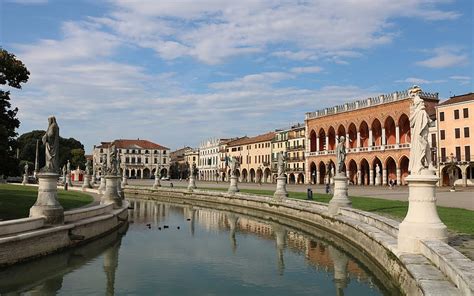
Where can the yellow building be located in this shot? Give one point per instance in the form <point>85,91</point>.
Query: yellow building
<point>455,143</point>
<point>254,155</point>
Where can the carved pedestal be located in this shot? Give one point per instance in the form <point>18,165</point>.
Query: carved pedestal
<point>87,182</point>
<point>281,192</point>
<point>111,192</point>
<point>120,187</point>
<point>25,179</point>
<point>102,185</point>
<point>192,183</point>
<point>340,198</point>
<point>422,220</point>
<point>47,204</point>
<point>233,188</point>
<point>157,184</point>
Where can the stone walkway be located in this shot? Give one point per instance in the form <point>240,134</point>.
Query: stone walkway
<point>463,198</point>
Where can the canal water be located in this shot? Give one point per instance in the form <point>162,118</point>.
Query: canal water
<point>178,249</point>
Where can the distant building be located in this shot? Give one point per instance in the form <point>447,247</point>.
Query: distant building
<point>178,167</point>
<point>211,162</point>
<point>377,138</point>
<point>138,157</point>
<point>455,125</point>
<point>192,157</point>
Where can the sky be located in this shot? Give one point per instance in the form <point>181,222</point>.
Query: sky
<point>180,72</point>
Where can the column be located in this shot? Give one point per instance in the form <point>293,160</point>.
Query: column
<point>397,135</point>
<point>327,143</point>
<point>464,176</point>
<point>371,177</point>
<point>384,177</point>
<point>317,143</point>
<point>358,140</point>
<point>347,141</point>
<point>399,177</point>
<point>370,138</point>
<point>359,177</point>
<point>317,177</point>
<point>384,140</point>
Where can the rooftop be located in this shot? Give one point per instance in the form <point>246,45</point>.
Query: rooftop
<point>260,138</point>
<point>132,144</point>
<point>458,99</point>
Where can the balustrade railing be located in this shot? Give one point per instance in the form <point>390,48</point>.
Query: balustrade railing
<point>361,149</point>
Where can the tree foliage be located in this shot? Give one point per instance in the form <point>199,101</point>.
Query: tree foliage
<point>12,73</point>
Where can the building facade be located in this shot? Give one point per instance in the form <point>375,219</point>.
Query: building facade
<point>192,156</point>
<point>455,143</point>
<point>296,154</point>
<point>138,158</point>
<point>178,166</point>
<point>211,163</point>
<point>254,155</point>
<point>377,139</point>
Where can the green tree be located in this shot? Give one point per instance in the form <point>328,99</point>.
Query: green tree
<point>78,158</point>
<point>12,73</point>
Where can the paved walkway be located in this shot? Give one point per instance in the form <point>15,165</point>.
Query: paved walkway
<point>463,198</point>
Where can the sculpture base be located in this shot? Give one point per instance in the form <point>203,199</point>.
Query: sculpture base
<point>103,185</point>
<point>119,188</point>
<point>422,221</point>
<point>281,192</point>
<point>111,192</point>
<point>340,198</point>
<point>124,181</point>
<point>47,204</point>
<point>157,183</point>
<point>25,179</point>
<point>87,182</point>
<point>233,188</point>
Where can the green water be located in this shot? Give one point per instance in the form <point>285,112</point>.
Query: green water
<point>212,253</point>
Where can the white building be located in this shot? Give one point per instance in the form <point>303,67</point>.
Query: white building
<point>208,164</point>
<point>138,158</point>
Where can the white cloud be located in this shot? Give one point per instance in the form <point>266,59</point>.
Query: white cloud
<point>304,70</point>
<point>445,57</point>
<point>414,80</point>
<point>463,80</point>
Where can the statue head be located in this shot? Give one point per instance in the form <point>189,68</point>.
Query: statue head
<point>342,139</point>
<point>415,90</point>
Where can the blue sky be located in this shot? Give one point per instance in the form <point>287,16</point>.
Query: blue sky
<point>178,72</point>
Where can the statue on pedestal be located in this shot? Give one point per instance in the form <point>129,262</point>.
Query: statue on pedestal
<point>420,152</point>
<point>341,154</point>
<point>281,162</point>
<point>51,141</point>
<point>26,168</point>
<point>113,161</point>
<point>68,167</point>
<point>104,165</point>
<point>234,165</point>
<point>88,167</point>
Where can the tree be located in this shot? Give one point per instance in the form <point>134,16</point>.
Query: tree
<point>13,73</point>
<point>69,148</point>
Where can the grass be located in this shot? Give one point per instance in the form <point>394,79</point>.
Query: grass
<point>16,200</point>
<point>457,220</point>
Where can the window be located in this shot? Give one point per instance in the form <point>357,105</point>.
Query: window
<point>456,114</point>
<point>442,134</point>
<point>433,140</point>
<point>458,153</point>
<point>441,116</point>
<point>457,133</point>
<point>465,113</point>
<point>467,153</point>
<point>164,152</point>
<point>466,132</point>
<point>443,154</point>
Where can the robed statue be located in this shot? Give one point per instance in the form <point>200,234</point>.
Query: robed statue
<point>88,167</point>
<point>281,163</point>
<point>341,154</point>
<point>234,165</point>
<point>157,171</point>
<point>51,141</point>
<point>420,152</point>
<point>104,164</point>
<point>113,161</point>
<point>26,168</point>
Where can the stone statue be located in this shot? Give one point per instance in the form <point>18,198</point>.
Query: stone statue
<point>281,163</point>
<point>194,169</point>
<point>332,171</point>
<point>51,141</point>
<point>64,170</point>
<point>377,170</point>
<point>119,161</point>
<point>26,168</point>
<point>104,165</point>
<point>88,167</point>
<point>157,171</point>
<point>234,165</point>
<point>68,167</point>
<point>420,152</point>
<point>341,154</point>
<point>113,161</point>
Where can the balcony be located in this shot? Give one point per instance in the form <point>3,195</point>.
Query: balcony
<point>293,148</point>
<point>295,159</point>
<point>381,148</point>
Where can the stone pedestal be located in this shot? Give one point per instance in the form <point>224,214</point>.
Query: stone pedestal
<point>47,204</point>
<point>25,179</point>
<point>87,182</point>
<point>281,192</point>
<point>120,187</point>
<point>378,180</point>
<point>69,182</point>
<point>192,183</point>
<point>340,198</point>
<point>124,181</point>
<point>111,192</point>
<point>233,188</point>
<point>102,185</point>
<point>157,184</point>
<point>422,220</point>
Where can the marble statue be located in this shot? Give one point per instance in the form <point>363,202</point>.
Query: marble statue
<point>281,163</point>
<point>332,171</point>
<point>51,141</point>
<point>104,165</point>
<point>88,167</point>
<point>26,168</point>
<point>68,167</point>
<point>234,165</point>
<point>341,154</point>
<point>118,165</point>
<point>113,161</point>
<point>157,171</point>
<point>64,170</point>
<point>420,152</point>
<point>377,170</point>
